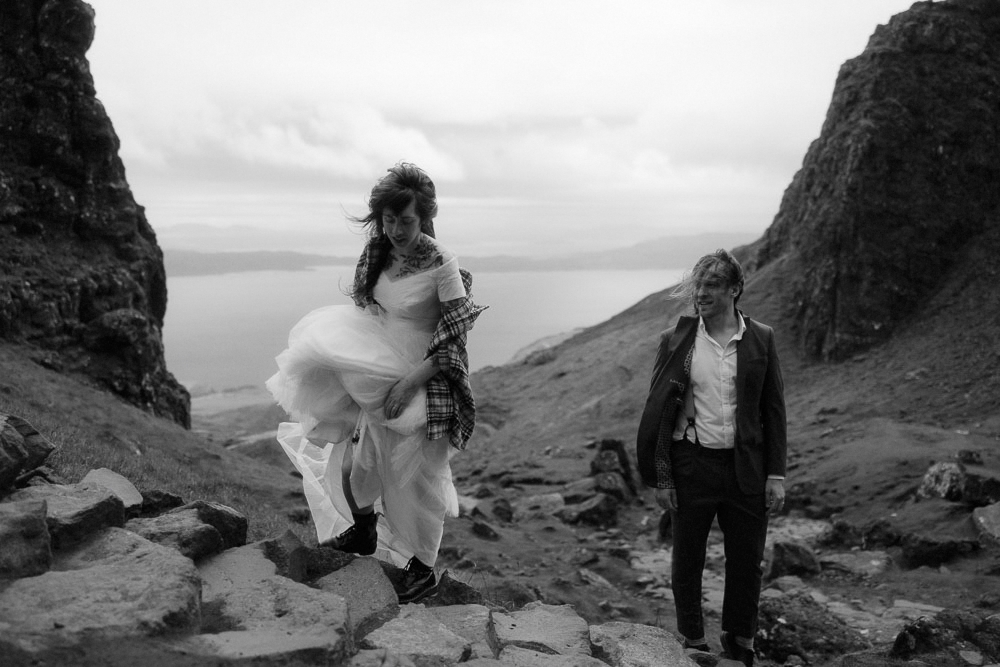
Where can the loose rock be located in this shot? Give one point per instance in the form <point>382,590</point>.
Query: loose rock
<point>26,549</point>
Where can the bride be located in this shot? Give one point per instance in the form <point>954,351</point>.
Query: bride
<point>379,392</point>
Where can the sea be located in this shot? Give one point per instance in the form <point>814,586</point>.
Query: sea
<point>223,331</point>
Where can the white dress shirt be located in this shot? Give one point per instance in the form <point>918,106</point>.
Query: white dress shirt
<point>713,389</point>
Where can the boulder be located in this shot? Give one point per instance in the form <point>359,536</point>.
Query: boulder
<point>484,491</point>
<point>987,521</point>
<point>75,511</point>
<point>26,550</point>
<point>793,558</point>
<point>553,629</point>
<point>925,635</point>
<point>796,625</point>
<point>275,621</point>
<point>502,509</point>
<point>635,645</point>
<point>484,530</point>
<point>943,480</point>
<point>227,571</point>
<point>603,462</point>
<point>953,480</point>
<point>113,585</point>
<point>254,614</point>
<point>120,486</point>
<point>981,488</point>
<point>606,460</point>
<point>382,658</point>
<point>469,621</point>
<point>183,531</point>
<point>858,563</point>
<point>538,506</point>
<point>454,592</point>
<point>232,525</point>
<point>321,561</point>
<point>601,510</point>
<point>580,490</point>
<point>371,599</point>
<point>156,502</point>
<point>880,533</point>
<point>920,550</point>
<point>22,449</point>
<point>515,656</point>
<point>418,635</point>
<point>977,630</point>
<point>288,554</point>
<point>512,594</point>
<point>840,533</point>
<point>614,485</point>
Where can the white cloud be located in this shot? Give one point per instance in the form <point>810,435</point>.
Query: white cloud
<point>687,115</point>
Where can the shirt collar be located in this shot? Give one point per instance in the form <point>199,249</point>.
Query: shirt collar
<point>742,326</point>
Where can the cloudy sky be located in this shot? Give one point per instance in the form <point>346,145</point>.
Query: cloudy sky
<point>549,126</point>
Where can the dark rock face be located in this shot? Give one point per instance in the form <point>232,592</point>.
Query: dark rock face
<point>81,275</point>
<point>901,181</point>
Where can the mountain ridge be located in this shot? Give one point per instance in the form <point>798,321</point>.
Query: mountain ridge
<point>664,252</point>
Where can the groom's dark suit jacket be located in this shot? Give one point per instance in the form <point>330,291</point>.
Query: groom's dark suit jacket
<point>760,406</point>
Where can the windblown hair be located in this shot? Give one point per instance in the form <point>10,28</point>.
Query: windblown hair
<point>404,183</point>
<point>720,262</point>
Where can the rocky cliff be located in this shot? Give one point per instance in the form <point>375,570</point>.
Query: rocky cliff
<point>81,275</point>
<point>904,178</point>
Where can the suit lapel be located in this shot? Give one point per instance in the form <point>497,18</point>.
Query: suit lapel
<point>747,350</point>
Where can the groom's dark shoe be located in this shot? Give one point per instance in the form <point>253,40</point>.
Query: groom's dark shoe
<point>361,538</point>
<point>700,646</point>
<point>733,651</point>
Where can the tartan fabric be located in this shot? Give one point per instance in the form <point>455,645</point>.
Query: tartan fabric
<point>451,407</point>
<point>665,436</point>
<point>369,266</point>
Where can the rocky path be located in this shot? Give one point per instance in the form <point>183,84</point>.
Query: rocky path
<point>97,573</point>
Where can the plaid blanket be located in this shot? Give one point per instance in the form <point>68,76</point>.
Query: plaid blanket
<point>451,407</point>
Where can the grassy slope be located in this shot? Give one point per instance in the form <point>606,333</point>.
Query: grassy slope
<point>93,429</point>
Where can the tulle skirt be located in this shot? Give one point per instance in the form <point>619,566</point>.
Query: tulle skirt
<point>332,380</point>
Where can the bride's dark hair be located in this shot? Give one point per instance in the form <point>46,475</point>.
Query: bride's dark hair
<point>404,183</point>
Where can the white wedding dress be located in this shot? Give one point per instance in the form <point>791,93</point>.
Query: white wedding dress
<point>332,380</point>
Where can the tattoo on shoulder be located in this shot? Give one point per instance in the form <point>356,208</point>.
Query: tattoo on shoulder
<point>424,256</point>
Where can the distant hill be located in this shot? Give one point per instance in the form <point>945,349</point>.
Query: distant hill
<point>663,253</point>
<point>193,263</point>
<point>669,252</point>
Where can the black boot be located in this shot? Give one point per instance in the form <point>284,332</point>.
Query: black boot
<point>733,651</point>
<point>419,582</point>
<point>361,538</point>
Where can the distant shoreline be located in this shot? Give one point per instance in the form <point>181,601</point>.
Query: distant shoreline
<point>662,253</point>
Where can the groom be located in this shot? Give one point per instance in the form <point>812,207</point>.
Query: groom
<point>712,443</point>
